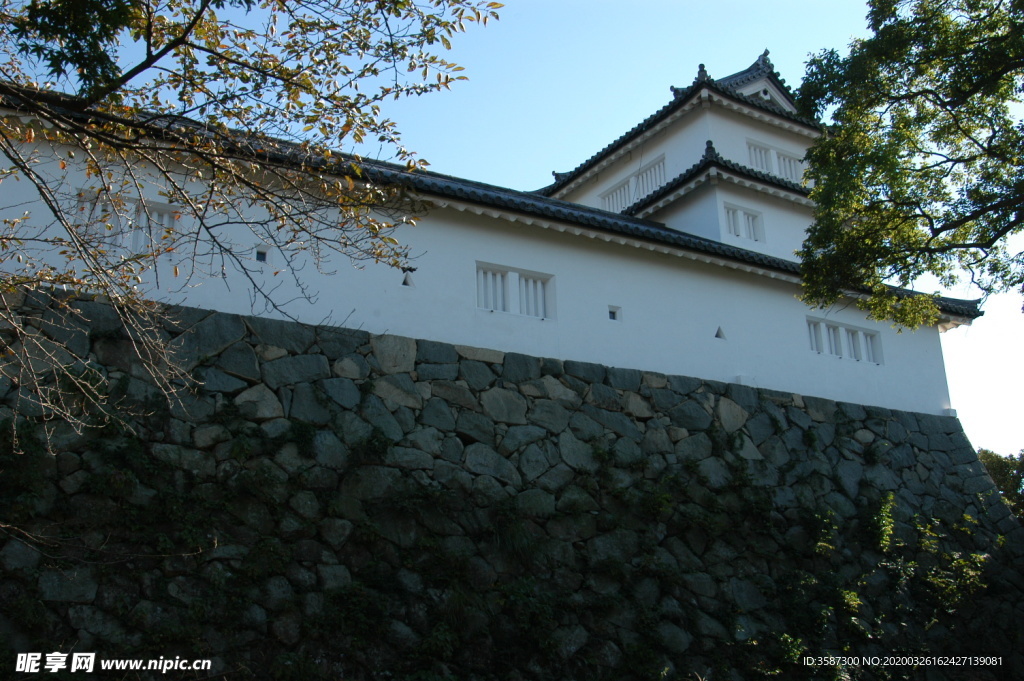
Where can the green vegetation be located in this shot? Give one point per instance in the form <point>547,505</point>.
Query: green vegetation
<point>1008,474</point>
<point>921,171</point>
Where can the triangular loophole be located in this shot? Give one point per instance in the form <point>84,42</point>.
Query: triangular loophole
<point>720,333</point>
<point>407,280</point>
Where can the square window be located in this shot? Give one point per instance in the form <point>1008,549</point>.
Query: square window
<point>261,255</point>
<point>614,313</point>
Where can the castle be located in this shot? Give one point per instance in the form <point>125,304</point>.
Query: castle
<point>670,249</point>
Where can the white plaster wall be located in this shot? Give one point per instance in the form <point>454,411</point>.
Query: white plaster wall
<point>784,223</point>
<point>730,131</point>
<point>700,214</point>
<point>671,308</point>
<point>682,144</point>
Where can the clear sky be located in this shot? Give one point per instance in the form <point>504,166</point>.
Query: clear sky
<point>554,81</point>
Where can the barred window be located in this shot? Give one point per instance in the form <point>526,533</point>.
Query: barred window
<point>504,289</point>
<point>843,341</point>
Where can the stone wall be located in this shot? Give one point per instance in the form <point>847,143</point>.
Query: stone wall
<point>332,504</point>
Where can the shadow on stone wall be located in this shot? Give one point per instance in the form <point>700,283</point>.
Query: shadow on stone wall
<point>333,505</point>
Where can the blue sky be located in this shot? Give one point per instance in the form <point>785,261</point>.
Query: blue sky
<point>554,81</point>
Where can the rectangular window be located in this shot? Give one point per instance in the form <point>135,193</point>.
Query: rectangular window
<point>503,289</point>
<point>835,340</point>
<point>635,187</point>
<point>790,167</point>
<point>618,198</point>
<point>853,344</point>
<point>872,348</point>
<point>650,178</point>
<point>776,162</point>
<point>492,289</point>
<point>533,296</point>
<point>814,329</point>
<point>842,341</point>
<point>760,157</point>
<point>732,219</point>
<point>126,223</point>
<point>743,223</point>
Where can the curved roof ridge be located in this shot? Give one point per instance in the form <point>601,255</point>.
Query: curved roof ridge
<point>680,96</point>
<point>762,68</point>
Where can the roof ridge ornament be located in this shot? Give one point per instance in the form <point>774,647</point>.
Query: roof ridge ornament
<point>710,153</point>
<point>764,61</point>
<point>702,77</point>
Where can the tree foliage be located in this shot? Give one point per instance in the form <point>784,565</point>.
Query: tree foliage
<point>1008,474</point>
<point>922,171</point>
<point>171,138</point>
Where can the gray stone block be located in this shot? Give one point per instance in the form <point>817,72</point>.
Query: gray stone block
<point>615,421</point>
<point>239,360</point>
<point>603,397</point>
<point>378,416</point>
<point>17,555</point>
<point>216,381</point>
<point>456,394</point>
<point>475,427</point>
<point>336,343</point>
<point>504,406</point>
<point>342,391</point>
<point>206,340</point>
<point>259,403</point>
<point>535,503</point>
<point>399,389</point>
<point>585,371</point>
<point>623,379</point>
<point>518,437</point>
<point>518,368</point>
<point>433,352</point>
<point>690,415</point>
<point>438,414</point>
<point>68,586</point>
<point>483,460</point>
<point>295,369</point>
<point>477,375</point>
<point>293,337</point>
<point>434,372</point>
<point>549,415</point>
<point>396,354</point>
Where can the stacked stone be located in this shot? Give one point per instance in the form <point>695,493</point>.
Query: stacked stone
<point>652,520</point>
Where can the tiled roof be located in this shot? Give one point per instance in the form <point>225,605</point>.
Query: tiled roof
<point>762,68</point>
<point>681,96</point>
<point>530,203</point>
<point>711,158</point>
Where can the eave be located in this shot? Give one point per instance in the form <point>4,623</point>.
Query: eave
<point>712,168</point>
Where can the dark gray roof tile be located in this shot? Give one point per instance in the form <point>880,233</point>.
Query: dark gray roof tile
<point>725,87</point>
<point>712,158</point>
